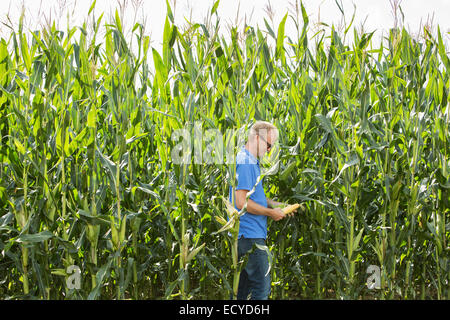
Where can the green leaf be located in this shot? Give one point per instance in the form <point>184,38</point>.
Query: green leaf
<point>19,146</point>
<point>36,237</point>
<point>269,29</point>
<point>59,272</point>
<point>442,51</point>
<point>353,161</point>
<point>25,52</point>
<point>357,239</point>
<point>147,189</point>
<point>110,166</point>
<point>280,40</point>
<point>92,6</point>
<point>267,60</point>
<point>76,143</point>
<point>101,273</point>
<point>166,38</point>
<point>325,123</point>
<point>118,22</point>
<point>161,69</point>
<point>169,12</point>
<point>304,15</point>
<point>215,6</point>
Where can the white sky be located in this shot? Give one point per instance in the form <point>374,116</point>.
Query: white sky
<point>375,14</point>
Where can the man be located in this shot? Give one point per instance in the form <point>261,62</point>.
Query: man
<point>254,278</point>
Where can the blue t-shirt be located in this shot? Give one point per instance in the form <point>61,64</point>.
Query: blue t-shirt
<point>247,172</point>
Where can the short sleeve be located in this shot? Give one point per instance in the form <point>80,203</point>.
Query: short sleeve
<point>245,180</point>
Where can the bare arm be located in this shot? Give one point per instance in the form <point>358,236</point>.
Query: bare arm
<point>255,208</point>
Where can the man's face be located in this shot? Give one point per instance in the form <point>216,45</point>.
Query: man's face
<point>265,141</point>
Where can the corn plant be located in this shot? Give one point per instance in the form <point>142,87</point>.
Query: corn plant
<point>88,177</point>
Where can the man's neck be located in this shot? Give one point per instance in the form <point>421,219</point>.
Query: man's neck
<point>252,149</point>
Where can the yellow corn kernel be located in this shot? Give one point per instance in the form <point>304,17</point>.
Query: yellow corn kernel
<point>290,208</point>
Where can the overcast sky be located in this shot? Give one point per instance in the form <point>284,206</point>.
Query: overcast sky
<point>372,14</point>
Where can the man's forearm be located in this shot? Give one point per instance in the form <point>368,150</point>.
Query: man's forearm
<point>256,208</point>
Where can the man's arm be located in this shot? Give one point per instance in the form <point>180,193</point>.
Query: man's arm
<point>255,208</point>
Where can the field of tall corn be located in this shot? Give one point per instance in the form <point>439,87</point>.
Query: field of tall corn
<point>88,182</point>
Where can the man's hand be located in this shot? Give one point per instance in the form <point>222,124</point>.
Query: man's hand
<point>277,214</point>
<point>288,209</point>
<point>276,204</point>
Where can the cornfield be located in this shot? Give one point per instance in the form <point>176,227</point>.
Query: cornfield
<point>88,183</point>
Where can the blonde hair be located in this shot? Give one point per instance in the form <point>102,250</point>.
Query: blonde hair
<point>262,127</point>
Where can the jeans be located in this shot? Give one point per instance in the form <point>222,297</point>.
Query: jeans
<point>254,278</point>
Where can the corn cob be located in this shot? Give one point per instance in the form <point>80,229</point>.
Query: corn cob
<point>290,208</point>
<point>285,173</point>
